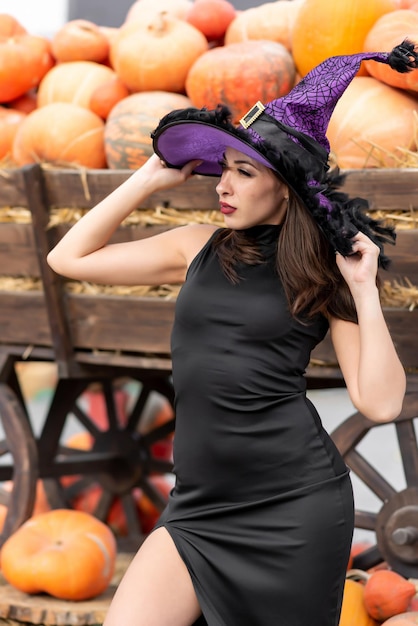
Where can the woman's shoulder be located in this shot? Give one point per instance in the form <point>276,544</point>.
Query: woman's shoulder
<point>195,237</point>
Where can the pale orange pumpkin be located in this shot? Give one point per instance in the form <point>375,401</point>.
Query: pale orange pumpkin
<point>353,611</point>
<point>144,9</point>
<point>389,31</point>
<point>67,554</point>
<point>217,76</point>
<point>211,17</point>
<point>271,20</point>
<point>60,132</point>
<point>157,54</point>
<point>323,29</point>
<point>10,119</point>
<point>372,125</point>
<point>403,619</point>
<point>10,26</point>
<point>127,134</point>
<point>24,61</point>
<point>80,40</point>
<point>73,82</point>
<point>107,95</point>
<point>387,593</point>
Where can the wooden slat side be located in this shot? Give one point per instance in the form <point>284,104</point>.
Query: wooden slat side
<point>17,250</point>
<point>386,189</point>
<point>113,323</point>
<point>83,189</point>
<point>404,256</point>
<point>12,191</point>
<point>403,325</point>
<point>23,319</point>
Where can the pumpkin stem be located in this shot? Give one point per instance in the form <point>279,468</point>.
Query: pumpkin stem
<point>159,24</point>
<point>357,574</point>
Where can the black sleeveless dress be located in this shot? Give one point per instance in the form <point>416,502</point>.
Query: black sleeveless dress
<point>262,508</point>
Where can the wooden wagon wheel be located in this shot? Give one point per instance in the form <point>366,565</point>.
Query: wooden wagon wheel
<point>396,523</point>
<point>128,451</point>
<point>18,463</point>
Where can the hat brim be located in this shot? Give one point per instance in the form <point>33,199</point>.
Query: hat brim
<point>180,142</point>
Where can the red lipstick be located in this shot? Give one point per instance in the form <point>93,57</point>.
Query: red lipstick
<point>226,209</point>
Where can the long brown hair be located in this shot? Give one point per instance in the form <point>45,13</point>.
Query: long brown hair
<point>305,263</point>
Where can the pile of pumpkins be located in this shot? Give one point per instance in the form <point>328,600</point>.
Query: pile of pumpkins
<point>380,597</point>
<point>91,95</point>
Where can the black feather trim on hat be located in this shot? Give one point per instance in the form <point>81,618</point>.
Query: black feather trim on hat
<point>337,215</point>
<point>403,58</point>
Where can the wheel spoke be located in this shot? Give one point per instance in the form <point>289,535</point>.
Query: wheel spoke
<point>153,494</point>
<point>369,475</point>
<point>409,451</point>
<point>365,520</point>
<point>85,420</point>
<point>367,559</point>
<point>131,514</point>
<point>102,508</point>
<point>158,433</point>
<point>138,409</point>
<point>112,416</point>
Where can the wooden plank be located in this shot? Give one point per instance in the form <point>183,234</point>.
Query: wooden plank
<point>17,250</point>
<point>140,325</point>
<point>404,257</point>
<point>23,318</point>
<point>12,189</point>
<point>83,189</point>
<point>403,325</point>
<point>386,189</point>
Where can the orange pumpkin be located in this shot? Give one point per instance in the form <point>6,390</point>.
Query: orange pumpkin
<point>60,132</point>
<point>372,125</point>
<point>80,40</point>
<point>106,96</point>
<point>142,9</point>
<point>217,76</point>
<point>10,26</point>
<point>73,82</point>
<point>127,131</point>
<point>24,61</point>
<point>157,54</point>
<point>211,17</point>
<point>387,593</point>
<point>353,611</point>
<point>388,31</point>
<point>323,29</point>
<point>10,119</point>
<point>67,554</point>
<point>272,20</point>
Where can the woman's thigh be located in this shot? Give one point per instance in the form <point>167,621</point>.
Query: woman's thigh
<point>156,589</point>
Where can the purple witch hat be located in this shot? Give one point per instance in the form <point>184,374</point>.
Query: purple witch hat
<point>288,135</point>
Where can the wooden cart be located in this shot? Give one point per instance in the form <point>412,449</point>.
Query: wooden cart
<point>101,341</point>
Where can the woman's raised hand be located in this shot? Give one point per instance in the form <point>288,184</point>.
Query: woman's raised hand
<point>360,268</point>
<point>162,177</point>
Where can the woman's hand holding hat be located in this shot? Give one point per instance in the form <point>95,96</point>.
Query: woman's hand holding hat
<point>161,176</point>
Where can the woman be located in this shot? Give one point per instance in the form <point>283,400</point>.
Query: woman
<point>258,527</point>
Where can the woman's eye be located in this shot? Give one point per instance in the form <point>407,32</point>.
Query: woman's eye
<point>244,173</point>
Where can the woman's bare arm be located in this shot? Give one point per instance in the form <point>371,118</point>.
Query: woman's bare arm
<point>373,373</point>
<point>85,254</point>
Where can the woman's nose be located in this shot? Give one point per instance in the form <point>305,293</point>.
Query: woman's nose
<point>223,186</point>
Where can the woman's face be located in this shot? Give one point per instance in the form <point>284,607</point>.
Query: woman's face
<point>250,193</point>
